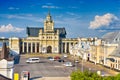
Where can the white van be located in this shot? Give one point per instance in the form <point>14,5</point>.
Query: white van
<point>33,60</point>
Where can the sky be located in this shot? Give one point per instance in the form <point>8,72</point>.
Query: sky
<point>80,18</point>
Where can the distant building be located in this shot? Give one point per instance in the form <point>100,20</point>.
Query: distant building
<point>6,63</point>
<point>48,39</point>
<point>43,40</point>
<point>113,59</point>
<point>4,78</point>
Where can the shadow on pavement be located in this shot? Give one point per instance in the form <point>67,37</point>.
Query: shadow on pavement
<point>35,77</point>
<point>16,56</point>
<point>16,59</point>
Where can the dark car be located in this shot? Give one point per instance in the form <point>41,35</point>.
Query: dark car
<point>61,60</point>
<point>56,58</point>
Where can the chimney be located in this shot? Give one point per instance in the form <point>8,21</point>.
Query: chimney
<point>4,53</point>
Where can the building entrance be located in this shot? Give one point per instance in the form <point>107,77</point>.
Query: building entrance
<point>49,49</point>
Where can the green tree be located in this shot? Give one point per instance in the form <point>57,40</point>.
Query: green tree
<point>117,77</point>
<point>86,75</point>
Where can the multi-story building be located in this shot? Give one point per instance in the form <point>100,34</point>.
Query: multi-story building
<point>49,39</point>
<point>6,63</point>
<point>43,40</point>
<point>113,59</point>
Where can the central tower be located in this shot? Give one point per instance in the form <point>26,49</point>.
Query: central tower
<point>48,24</point>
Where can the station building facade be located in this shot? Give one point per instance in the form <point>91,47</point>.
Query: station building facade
<point>45,39</point>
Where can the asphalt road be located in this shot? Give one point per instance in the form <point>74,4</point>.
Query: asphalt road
<point>45,68</point>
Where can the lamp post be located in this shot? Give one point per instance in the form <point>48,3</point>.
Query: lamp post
<point>74,52</point>
<point>82,64</point>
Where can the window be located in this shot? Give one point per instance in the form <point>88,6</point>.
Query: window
<point>37,47</point>
<point>25,47</point>
<point>33,47</point>
<point>116,65</point>
<point>29,47</point>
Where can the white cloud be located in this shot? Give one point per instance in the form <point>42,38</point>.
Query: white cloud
<point>102,21</point>
<point>10,28</point>
<point>25,17</point>
<point>48,6</point>
<point>73,7</point>
<point>15,16</point>
<point>70,13</point>
<point>13,8</point>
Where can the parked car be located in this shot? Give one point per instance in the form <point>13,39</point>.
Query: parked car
<point>69,64</point>
<point>50,58</point>
<point>56,58</point>
<point>77,61</point>
<point>65,55</point>
<point>61,60</point>
<point>33,60</point>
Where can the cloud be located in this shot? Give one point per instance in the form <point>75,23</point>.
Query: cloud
<point>103,21</point>
<point>25,17</point>
<point>49,6</point>
<point>10,28</point>
<point>73,7</point>
<point>70,13</point>
<point>13,8</point>
<point>15,16</point>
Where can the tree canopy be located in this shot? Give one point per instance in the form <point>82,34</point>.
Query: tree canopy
<point>87,75</point>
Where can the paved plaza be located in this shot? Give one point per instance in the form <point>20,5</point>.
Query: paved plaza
<point>44,69</point>
<point>54,70</point>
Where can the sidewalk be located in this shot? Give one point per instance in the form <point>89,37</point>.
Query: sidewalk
<point>98,67</point>
<point>53,78</point>
<point>101,67</point>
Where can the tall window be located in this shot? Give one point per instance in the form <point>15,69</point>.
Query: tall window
<point>63,47</point>
<point>67,47</point>
<point>71,44</point>
<point>33,47</point>
<point>21,46</point>
<point>37,47</point>
<point>29,47</point>
<point>25,47</point>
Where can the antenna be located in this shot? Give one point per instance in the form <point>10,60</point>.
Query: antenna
<point>48,10</point>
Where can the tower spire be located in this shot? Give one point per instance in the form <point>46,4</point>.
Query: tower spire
<point>49,10</point>
<point>49,16</point>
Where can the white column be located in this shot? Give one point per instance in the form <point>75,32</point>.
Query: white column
<point>117,64</point>
<point>31,48</point>
<point>40,48</point>
<point>23,47</point>
<point>61,47</point>
<point>35,47</point>
<point>69,47</point>
<point>65,47</point>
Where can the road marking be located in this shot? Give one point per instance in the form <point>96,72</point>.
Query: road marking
<point>58,66</point>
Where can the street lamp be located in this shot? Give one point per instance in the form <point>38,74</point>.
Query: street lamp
<point>82,64</point>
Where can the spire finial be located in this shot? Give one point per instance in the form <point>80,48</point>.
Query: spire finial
<point>48,18</point>
<point>48,10</point>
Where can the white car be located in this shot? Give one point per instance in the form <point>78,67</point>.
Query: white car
<point>77,61</point>
<point>50,58</point>
<point>68,64</point>
<point>33,60</point>
<point>65,55</point>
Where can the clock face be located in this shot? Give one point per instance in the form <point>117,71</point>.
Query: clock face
<point>49,26</point>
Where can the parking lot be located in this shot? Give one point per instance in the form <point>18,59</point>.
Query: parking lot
<point>54,70</point>
<point>45,68</point>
